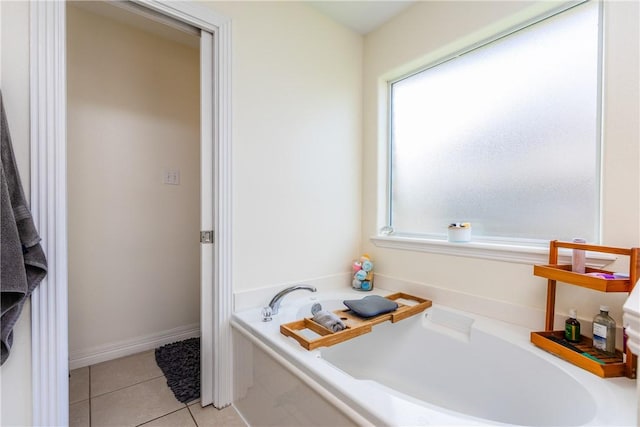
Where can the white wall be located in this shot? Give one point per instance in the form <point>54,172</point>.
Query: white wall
<point>133,111</point>
<point>297,149</point>
<point>296,143</point>
<point>430,30</point>
<point>15,374</point>
<point>299,167</point>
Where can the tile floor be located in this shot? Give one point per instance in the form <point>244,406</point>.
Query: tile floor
<point>132,391</point>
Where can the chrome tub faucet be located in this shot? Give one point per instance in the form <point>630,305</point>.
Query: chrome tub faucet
<point>274,304</point>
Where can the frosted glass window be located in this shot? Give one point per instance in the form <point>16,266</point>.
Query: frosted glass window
<point>505,136</point>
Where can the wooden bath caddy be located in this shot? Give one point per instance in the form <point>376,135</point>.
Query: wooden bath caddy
<point>598,363</point>
<point>356,325</point>
<point>552,341</point>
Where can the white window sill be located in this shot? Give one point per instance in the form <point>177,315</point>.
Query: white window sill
<point>494,251</point>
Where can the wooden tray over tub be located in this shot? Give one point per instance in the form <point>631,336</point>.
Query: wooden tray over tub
<point>356,325</point>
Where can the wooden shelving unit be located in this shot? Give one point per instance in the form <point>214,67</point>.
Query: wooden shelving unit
<point>582,354</point>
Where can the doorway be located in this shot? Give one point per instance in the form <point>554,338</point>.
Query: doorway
<point>49,203</point>
<point>133,163</point>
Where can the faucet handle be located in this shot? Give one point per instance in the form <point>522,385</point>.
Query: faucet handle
<point>266,314</point>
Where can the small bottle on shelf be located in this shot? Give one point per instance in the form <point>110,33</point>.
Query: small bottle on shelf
<point>604,332</point>
<point>572,327</point>
<point>578,258</point>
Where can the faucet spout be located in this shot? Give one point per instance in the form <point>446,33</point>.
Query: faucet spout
<point>277,299</point>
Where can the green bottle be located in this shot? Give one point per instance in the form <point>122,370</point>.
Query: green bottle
<point>572,327</point>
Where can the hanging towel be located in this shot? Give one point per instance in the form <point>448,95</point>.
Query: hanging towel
<point>22,261</point>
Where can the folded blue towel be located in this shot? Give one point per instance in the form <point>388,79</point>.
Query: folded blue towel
<point>371,305</point>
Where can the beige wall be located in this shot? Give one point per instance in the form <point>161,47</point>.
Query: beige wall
<point>296,143</point>
<point>298,160</point>
<point>297,133</point>
<point>15,374</point>
<point>430,30</point>
<point>133,111</point>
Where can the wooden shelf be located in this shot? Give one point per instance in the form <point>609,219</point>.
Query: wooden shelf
<point>563,273</point>
<point>553,341</point>
<point>356,325</point>
<point>606,366</point>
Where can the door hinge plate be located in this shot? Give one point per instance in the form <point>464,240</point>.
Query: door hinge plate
<point>206,236</point>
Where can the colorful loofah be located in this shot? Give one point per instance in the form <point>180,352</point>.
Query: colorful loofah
<point>362,270</point>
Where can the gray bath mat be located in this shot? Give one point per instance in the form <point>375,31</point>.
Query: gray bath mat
<point>180,363</point>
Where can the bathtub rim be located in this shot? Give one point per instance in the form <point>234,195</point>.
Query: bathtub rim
<point>290,353</point>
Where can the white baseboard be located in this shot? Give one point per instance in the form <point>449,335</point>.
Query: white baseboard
<point>103,353</point>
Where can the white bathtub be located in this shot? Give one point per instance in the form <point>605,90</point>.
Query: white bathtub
<point>443,367</point>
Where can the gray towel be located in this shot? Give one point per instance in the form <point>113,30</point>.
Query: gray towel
<point>22,261</point>
<point>327,319</point>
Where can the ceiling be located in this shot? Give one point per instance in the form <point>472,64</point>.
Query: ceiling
<point>361,16</point>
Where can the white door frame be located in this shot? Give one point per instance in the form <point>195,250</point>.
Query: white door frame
<point>49,317</point>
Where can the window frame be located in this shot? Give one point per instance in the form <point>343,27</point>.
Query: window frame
<point>518,250</point>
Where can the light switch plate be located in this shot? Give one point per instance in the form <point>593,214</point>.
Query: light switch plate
<point>171,177</point>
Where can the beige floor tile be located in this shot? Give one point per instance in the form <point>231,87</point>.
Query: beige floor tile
<point>126,371</point>
<point>181,418</point>
<point>210,416</point>
<point>78,385</point>
<point>134,405</point>
<point>79,414</point>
